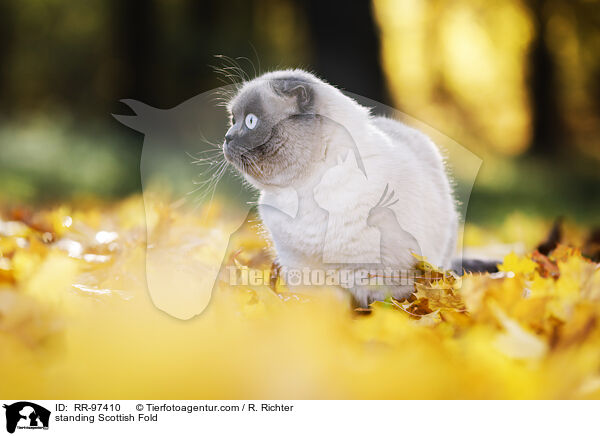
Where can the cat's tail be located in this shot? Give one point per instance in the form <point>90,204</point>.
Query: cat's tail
<point>461,266</point>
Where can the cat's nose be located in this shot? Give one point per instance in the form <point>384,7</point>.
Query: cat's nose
<point>228,137</point>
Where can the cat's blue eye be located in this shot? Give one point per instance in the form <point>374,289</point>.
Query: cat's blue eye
<point>251,121</point>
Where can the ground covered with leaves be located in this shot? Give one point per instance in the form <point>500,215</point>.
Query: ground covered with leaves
<point>76,320</point>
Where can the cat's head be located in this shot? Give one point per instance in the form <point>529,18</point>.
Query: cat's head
<point>275,131</point>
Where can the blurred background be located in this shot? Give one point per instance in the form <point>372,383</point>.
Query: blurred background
<point>515,81</point>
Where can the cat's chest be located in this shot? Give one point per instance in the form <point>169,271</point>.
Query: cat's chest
<point>298,237</point>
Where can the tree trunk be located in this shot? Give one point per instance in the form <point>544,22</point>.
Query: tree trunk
<point>547,126</point>
<point>345,45</point>
<point>134,45</point>
<point>6,40</point>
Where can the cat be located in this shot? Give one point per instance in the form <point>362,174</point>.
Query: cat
<point>288,130</point>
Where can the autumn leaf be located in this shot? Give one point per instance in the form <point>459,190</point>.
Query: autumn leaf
<point>75,311</point>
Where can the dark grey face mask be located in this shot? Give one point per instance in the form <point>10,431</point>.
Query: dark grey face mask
<point>252,126</point>
<point>261,119</point>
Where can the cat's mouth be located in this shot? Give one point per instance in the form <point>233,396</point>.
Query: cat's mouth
<point>250,161</point>
<point>251,164</point>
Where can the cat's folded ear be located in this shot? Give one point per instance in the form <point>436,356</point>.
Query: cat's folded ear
<point>292,87</point>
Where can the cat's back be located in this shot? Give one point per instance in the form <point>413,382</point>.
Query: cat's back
<point>417,142</point>
<point>434,222</point>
